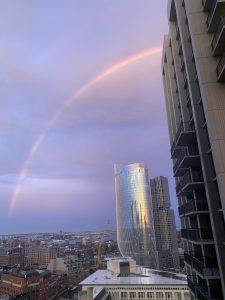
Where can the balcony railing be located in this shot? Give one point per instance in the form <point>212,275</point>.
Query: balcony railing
<point>202,291</point>
<point>218,41</point>
<point>193,206</point>
<point>185,80</point>
<point>188,183</point>
<point>177,32</point>
<point>217,9</point>
<point>197,234</point>
<point>211,12</point>
<point>184,127</point>
<point>220,69</point>
<point>186,158</point>
<point>206,4</point>
<point>183,182</point>
<point>206,266</point>
<point>180,157</point>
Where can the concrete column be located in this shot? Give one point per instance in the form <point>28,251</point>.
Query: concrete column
<point>89,293</point>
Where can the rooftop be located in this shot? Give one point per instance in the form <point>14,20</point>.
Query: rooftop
<point>144,276</point>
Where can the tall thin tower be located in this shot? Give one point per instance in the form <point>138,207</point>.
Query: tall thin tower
<point>164,224</point>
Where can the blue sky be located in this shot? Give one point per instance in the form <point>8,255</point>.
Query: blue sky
<point>48,50</point>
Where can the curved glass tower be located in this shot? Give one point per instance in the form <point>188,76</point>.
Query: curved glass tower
<point>135,234</point>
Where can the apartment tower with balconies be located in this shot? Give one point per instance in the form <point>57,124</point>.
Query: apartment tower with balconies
<point>193,69</point>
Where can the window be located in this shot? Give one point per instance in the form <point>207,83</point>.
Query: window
<point>150,295</point>
<point>159,295</point>
<point>178,296</point>
<point>123,295</point>
<point>168,295</point>
<point>132,295</point>
<point>141,295</point>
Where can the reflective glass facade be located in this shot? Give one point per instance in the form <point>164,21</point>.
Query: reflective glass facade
<point>164,224</point>
<point>135,232</point>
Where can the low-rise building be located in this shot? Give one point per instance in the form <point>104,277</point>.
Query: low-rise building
<point>64,265</point>
<point>123,280</point>
<point>39,256</point>
<point>24,282</point>
<point>10,257</point>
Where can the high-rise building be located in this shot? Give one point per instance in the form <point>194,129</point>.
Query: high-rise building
<point>135,232</point>
<point>164,224</point>
<point>193,68</point>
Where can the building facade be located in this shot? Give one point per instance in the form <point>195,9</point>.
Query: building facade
<point>40,256</point>
<point>135,226</point>
<point>23,282</point>
<point>10,257</point>
<point>193,69</point>
<point>164,224</point>
<point>64,265</point>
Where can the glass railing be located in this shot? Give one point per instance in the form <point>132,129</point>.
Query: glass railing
<point>179,130</point>
<point>202,291</point>
<point>213,5</point>
<point>220,66</point>
<point>186,179</point>
<point>197,234</point>
<point>193,206</point>
<point>180,157</point>
<point>192,151</point>
<point>218,33</point>
<point>205,265</point>
<point>183,127</point>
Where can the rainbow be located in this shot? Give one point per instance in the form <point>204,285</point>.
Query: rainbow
<point>112,69</point>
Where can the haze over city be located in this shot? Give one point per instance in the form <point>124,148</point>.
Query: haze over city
<point>49,50</point>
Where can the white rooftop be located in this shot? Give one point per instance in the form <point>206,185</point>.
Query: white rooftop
<point>143,276</point>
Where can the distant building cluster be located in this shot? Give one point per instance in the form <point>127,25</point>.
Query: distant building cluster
<point>146,228</point>
<point>50,266</point>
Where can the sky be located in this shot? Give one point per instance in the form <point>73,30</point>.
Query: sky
<point>49,50</point>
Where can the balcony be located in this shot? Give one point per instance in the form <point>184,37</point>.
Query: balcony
<point>177,32</point>
<point>186,158</point>
<point>185,135</point>
<point>206,5</point>
<point>206,266</point>
<point>189,183</point>
<point>197,234</point>
<point>220,69</point>
<point>217,9</point>
<point>193,207</point>
<point>202,291</point>
<point>218,41</point>
<point>185,83</point>
<point>171,11</point>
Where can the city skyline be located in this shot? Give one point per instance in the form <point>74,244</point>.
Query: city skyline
<point>49,52</point>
